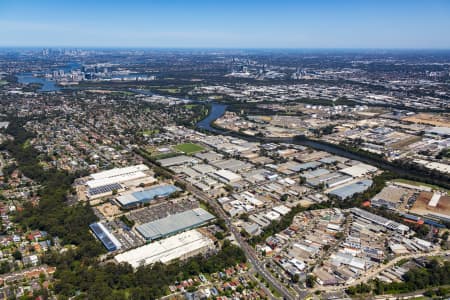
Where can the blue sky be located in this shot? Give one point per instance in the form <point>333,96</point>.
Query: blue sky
<point>226,23</point>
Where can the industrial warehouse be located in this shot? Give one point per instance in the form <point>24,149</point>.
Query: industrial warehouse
<point>174,224</point>
<point>108,240</point>
<point>389,224</point>
<point>162,223</point>
<point>348,191</point>
<point>180,246</point>
<point>133,213</point>
<point>103,184</point>
<point>146,195</point>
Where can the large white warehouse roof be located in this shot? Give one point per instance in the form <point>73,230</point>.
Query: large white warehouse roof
<point>179,246</point>
<point>119,171</point>
<point>115,179</point>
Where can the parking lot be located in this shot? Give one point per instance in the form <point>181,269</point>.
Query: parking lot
<point>122,232</point>
<point>162,210</point>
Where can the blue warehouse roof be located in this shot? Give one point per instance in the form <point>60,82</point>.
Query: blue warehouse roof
<point>352,189</point>
<point>147,195</point>
<point>108,240</point>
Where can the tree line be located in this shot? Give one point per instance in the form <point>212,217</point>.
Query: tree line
<point>51,214</point>
<point>78,271</point>
<point>87,277</point>
<point>433,274</point>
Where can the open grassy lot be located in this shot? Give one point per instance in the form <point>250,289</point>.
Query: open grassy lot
<point>150,131</point>
<point>169,90</point>
<point>189,148</point>
<point>165,155</point>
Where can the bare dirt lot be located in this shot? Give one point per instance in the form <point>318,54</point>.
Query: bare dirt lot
<point>108,210</point>
<point>421,205</point>
<point>430,119</point>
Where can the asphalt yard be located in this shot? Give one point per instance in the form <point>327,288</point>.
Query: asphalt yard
<point>162,210</point>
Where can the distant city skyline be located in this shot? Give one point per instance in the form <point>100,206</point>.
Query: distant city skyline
<point>226,24</point>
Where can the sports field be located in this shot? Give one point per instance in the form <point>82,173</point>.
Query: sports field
<point>189,148</point>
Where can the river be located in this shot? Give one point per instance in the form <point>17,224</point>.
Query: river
<point>47,84</point>
<point>217,110</point>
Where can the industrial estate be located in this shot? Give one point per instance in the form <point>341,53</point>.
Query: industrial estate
<point>224,174</point>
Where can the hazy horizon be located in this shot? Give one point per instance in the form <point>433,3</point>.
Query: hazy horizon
<point>40,47</point>
<point>286,24</point>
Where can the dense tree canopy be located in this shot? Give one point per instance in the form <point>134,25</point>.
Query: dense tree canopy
<point>78,270</point>
<point>432,275</point>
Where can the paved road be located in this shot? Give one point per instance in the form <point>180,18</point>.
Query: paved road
<point>249,252</point>
<point>377,271</point>
<point>265,289</point>
<point>260,267</point>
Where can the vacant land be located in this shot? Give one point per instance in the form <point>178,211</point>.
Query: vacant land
<point>189,148</point>
<point>406,142</point>
<point>430,119</point>
<point>421,206</point>
<point>169,90</point>
<point>165,155</point>
<point>108,210</point>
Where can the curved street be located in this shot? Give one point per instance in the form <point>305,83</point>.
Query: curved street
<point>372,273</point>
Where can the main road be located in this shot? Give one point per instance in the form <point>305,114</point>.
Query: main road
<point>217,110</point>
<point>248,250</point>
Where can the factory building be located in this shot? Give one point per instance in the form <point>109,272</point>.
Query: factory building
<point>177,161</point>
<point>104,183</point>
<point>348,191</point>
<point>119,172</point>
<point>389,224</point>
<point>227,177</point>
<point>146,195</point>
<point>180,246</point>
<point>359,170</point>
<point>174,224</point>
<point>438,131</point>
<point>107,238</point>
